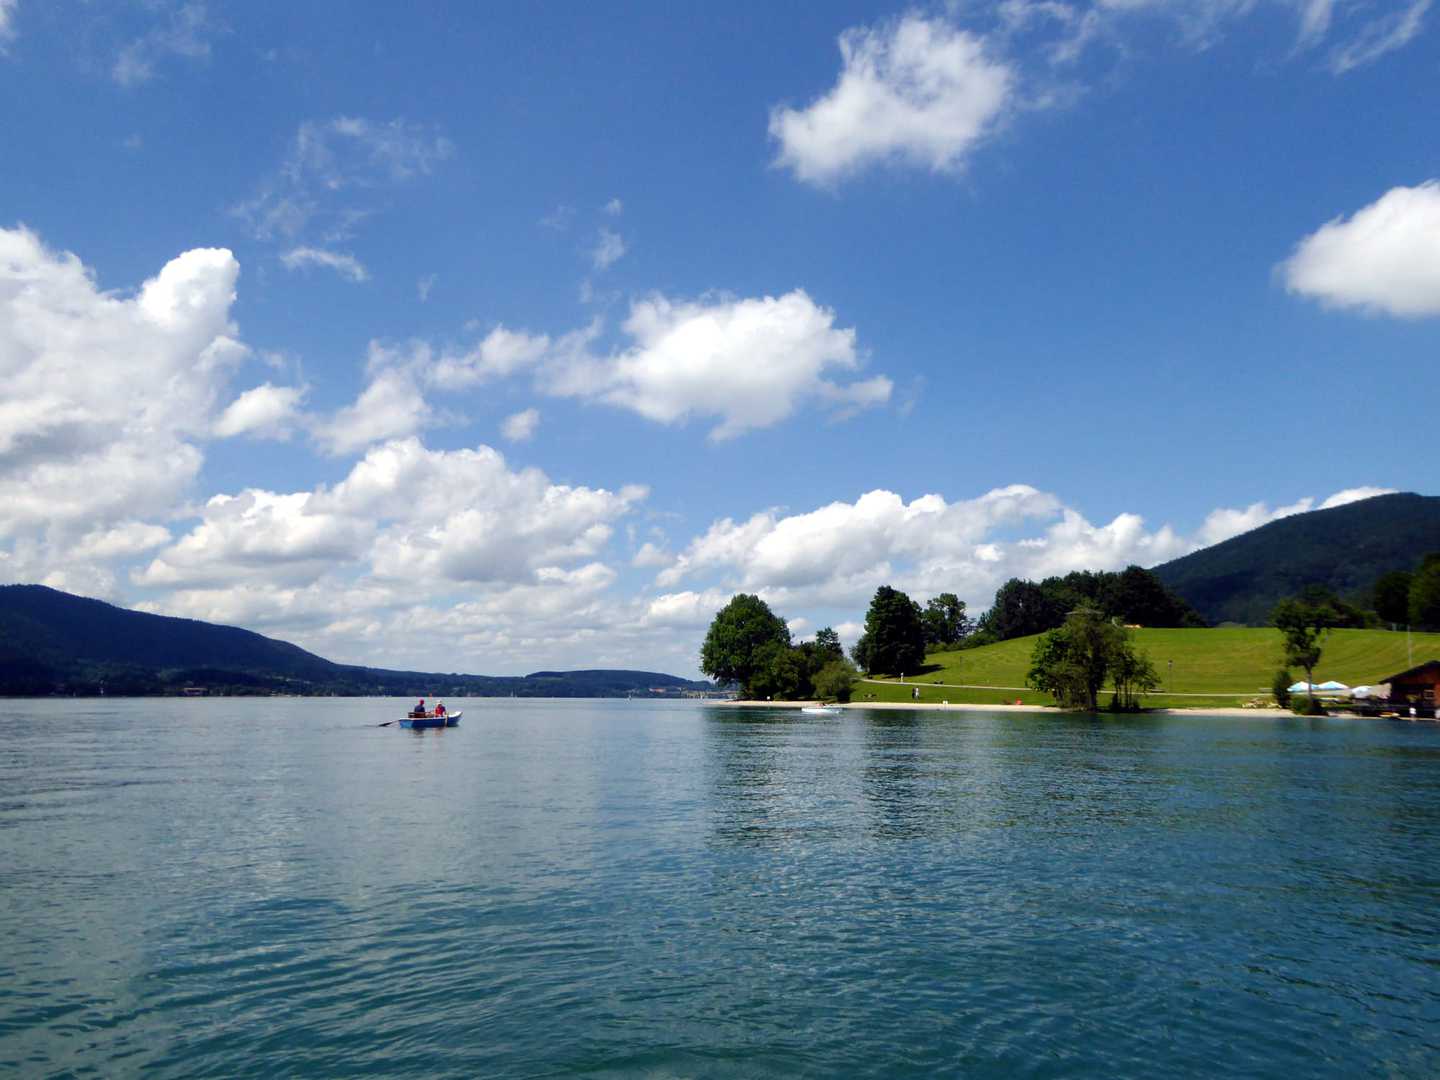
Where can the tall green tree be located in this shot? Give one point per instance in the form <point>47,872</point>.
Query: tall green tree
<point>1303,627</point>
<point>1425,596</point>
<point>736,635</point>
<point>1073,661</point>
<point>1392,597</point>
<point>894,633</point>
<point>828,642</point>
<point>945,621</point>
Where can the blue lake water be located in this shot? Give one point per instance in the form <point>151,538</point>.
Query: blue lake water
<point>590,888</point>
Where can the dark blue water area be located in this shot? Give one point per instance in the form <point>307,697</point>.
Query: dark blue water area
<point>219,888</point>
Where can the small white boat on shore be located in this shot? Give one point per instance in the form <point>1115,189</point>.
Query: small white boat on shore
<point>828,710</point>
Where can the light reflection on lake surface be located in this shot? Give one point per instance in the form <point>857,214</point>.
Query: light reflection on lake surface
<point>279,887</point>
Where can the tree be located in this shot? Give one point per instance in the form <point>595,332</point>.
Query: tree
<point>1425,595</point>
<point>780,672</point>
<point>1303,627</point>
<point>827,641</point>
<point>1280,687</point>
<point>945,621</point>
<point>836,680</point>
<point>894,634</point>
<point>1392,597</point>
<point>737,633</point>
<point>1073,661</point>
<point>1020,608</point>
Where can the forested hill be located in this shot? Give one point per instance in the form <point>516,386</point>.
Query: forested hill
<point>53,642</point>
<point>1344,549</point>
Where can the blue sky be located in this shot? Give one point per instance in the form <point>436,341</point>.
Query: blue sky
<point>492,339</point>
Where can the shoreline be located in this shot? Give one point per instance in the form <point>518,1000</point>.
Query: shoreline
<point>924,706</point>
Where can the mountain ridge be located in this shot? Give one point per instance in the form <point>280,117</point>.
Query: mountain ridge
<point>1343,548</point>
<point>57,642</point>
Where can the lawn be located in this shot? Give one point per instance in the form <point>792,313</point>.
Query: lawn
<point>1216,666</point>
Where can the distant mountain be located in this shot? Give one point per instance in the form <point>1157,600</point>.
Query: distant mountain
<point>53,642</point>
<point>1345,549</point>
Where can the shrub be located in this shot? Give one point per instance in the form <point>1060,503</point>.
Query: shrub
<point>1280,687</point>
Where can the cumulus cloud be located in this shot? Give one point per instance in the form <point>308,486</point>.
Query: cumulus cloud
<point>748,362</point>
<point>614,207</point>
<point>106,397</point>
<point>264,411</point>
<point>1385,258</point>
<point>1355,494</point>
<point>915,90</point>
<point>390,406</point>
<point>500,353</point>
<point>347,266</point>
<point>825,564</point>
<point>521,426</point>
<point>413,547</point>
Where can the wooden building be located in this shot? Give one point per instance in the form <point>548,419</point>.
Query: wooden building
<point>1418,686</point>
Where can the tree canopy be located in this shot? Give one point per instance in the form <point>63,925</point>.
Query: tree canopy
<point>1303,625</point>
<point>733,646</point>
<point>1074,660</point>
<point>946,624</point>
<point>894,638</point>
<point>1134,596</point>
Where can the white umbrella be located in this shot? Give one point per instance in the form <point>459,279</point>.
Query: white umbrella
<point>1299,688</point>
<point>1332,685</point>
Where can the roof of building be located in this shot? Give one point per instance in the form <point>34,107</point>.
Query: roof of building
<point>1416,670</point>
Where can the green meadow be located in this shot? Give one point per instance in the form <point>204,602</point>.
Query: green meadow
<point>1197,668</point>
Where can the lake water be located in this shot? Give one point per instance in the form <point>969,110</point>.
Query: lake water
<point>609,888</point>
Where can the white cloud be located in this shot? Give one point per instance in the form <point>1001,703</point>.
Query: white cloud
<point>825,564</point>
<point>370,567</point>
<point>521,426</point>
<point>750,362</point>
<point>265,411</point>
<point>916,90</point>
<point>500,353</point>
<point>389,407</point>
<point>1385,258</point>
<point>1383,35</point>
<point>1356,494</point>
<point>651,555</point>
<point>106,396</point>
<point>119,541</point>
<point>614,207</point>
<point>347,266</point>
<point>185,30</point>
<point>608,250</point>
<point>259,535</point>
<point>423,287</point>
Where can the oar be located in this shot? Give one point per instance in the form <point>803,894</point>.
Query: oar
<point>387,723</point>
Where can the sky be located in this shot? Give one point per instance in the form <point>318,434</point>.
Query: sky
<point>496,338</point>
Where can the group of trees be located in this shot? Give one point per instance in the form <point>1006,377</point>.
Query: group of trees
<point>1133,595</point>
<point>1411,598</point>
<point>1075,660</point>
<point>749,644</point>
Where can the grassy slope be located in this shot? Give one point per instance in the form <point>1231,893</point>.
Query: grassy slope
<point>1226,666</point>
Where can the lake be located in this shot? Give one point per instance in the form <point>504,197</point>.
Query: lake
<point>268,887</point>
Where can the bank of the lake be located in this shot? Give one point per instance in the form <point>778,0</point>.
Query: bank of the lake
<point>255,887</point>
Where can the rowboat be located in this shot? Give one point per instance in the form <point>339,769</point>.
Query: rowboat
<point>828,710</point>
<point>431,720</point>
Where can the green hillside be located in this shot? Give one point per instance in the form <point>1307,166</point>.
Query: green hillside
<point>1345,549</point>
<point>1223,666</point>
